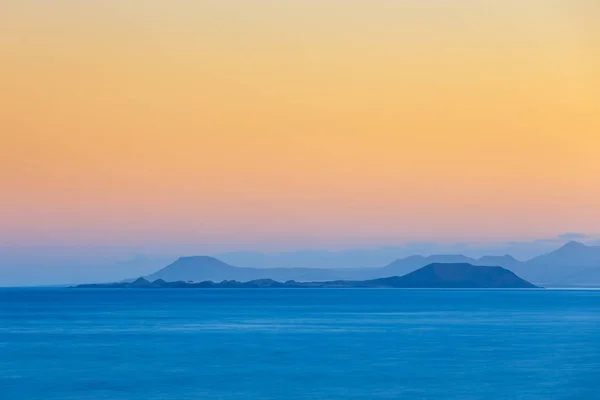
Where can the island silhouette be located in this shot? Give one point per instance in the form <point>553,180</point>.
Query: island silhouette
<point>436,275</point>
<point>573,264</point>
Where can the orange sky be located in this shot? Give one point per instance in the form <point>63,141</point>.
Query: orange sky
<point>296,122</point>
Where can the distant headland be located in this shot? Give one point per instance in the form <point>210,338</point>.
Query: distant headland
<point>436,275</point>
<point>574,264</point>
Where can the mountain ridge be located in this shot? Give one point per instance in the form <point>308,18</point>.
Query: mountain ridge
<point>573,263</point>
<point>459,275</point>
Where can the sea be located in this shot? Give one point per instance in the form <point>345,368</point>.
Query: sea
<point>66,343</point>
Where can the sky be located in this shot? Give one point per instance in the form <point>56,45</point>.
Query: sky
<point>279,125</point>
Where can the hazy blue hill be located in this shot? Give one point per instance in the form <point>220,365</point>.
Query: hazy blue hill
<point>141,283</point>
<point>574,264</point>
<point>194,268</point>
<point>409,264</point>
<point>507,261</point>
<point>574,254</point>
<point>203,268</point>
<point>461,275</point>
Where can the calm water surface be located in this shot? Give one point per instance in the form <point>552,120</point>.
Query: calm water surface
<point>299,344</point>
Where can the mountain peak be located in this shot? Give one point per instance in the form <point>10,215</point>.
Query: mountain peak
<point>568,259</point>
<point>195,268</point>
<point>140,282</point>
<point>465,275</point>
<point>573,245</point>
<point>200,259</point>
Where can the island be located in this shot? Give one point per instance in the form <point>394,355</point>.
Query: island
<point>437,275</point>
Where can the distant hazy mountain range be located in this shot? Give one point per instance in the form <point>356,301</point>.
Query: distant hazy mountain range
<point>572,264</point>
<point>430,276</point>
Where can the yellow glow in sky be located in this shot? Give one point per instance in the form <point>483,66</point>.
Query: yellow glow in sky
<point>335,122</point>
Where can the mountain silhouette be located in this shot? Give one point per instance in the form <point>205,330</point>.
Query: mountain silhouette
<point>204,268</point>
<point>408,264</point>
<point>192,268</point>
<point>461,275</point>
<point>431,276</point>
<point>506,261</point>
<point>572,254</point>
<point>572,264</point>
<point>141,283</point>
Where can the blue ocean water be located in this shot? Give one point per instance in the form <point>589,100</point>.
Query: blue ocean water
<point>299,344</point>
